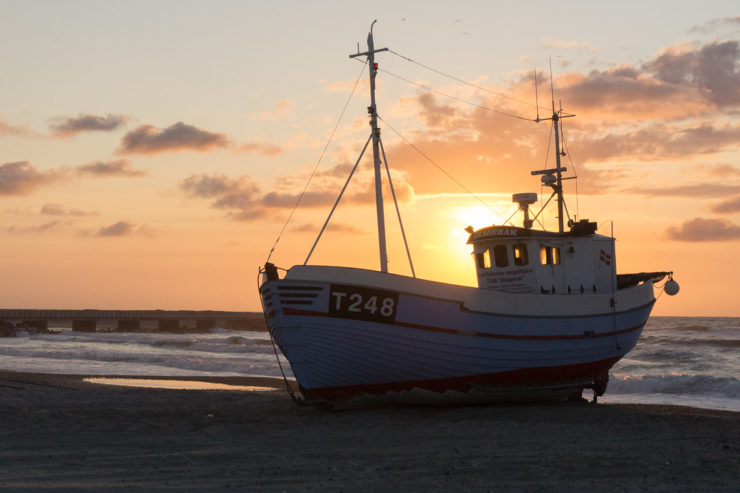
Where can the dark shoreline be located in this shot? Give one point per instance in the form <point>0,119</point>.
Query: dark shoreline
<point>58,432</point>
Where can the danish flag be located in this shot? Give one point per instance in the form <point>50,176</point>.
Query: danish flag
<point>606,258</point>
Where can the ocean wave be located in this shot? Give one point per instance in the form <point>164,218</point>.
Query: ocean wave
<point>728,387</point>
<point>173,343</point>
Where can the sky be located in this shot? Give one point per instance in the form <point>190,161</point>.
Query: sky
<point>151,152</point>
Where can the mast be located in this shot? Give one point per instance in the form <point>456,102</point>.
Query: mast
<point>372,111</point>
<point>553,177</point>
<point>558,173</point>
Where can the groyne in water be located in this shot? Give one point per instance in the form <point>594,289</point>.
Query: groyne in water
<point>168,321</point>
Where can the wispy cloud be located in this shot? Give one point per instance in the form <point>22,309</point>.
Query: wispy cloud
<point>261,148</point>
<point>719,170</point>
<point>7,129</point>
<point>21,178</point>
<point>728,206</point>
<point>280,111</point>
<point>41,228</point>
<point>338,227</point>
<point>702,230</point>
<point>120,167</point>
<point>243,199</point>
<point>125,228</point>
<point>84,122</point>
<point>147,139</point>
<point>699,190</point>
<point>717,24</point>
<point>53,209</point>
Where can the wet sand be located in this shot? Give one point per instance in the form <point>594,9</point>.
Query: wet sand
<point>62,433</point>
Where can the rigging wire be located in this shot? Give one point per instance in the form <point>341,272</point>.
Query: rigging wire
<point>493,110</point>
<point>575,171</point>
<point>398,211</point>
<point>480,88</point>
<point>438,166</point>
<point>316,167</point>
<point>354,168</point>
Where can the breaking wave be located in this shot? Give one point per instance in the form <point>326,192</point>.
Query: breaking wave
<point>677,384</point>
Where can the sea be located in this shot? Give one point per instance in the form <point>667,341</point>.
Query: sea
<point>686,361</point>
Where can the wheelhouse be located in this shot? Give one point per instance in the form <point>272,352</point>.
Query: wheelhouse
<point>522,260</point>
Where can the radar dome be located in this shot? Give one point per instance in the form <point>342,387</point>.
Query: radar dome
<point>524,198</point>
<point>548,180</point>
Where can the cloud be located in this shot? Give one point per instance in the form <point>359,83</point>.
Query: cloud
<point>627,92</point>
<point>121,228</point>
<point>698,190</point>
<point>52,209</point>
<point>701,230</point>
<point>41,228</point>
<point>120,167</point>
<point>434,114</point>
<point>125,228</point>
<point>713,69</point>
<point>20,178</point>
<point>728,206</point>
<point>240,196</point>
<point>243,199</point>
<point>262,148</point>
<point>87,123</point>
<point>659,142</point>
<point>7,129</point>
<point>147,139</point>
<point>338,227</point>
<point>719,170</point>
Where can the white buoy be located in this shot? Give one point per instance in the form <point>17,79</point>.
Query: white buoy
<point>671,287</point>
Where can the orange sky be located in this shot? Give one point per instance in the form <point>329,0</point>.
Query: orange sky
<point>152,162</point>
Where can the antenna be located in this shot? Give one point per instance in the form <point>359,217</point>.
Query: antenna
<point>536,97</point>
<point>552,86</point>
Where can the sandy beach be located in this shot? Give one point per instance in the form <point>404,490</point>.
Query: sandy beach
<point>62,433</point>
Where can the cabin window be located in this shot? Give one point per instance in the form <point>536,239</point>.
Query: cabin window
<point>500,256</point>
<point>520,254</point>
<point>549,255</point>
<point>483,260</point>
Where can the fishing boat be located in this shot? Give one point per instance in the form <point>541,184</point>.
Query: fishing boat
<point>549,318</point>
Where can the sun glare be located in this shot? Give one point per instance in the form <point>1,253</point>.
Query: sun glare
<point>479,216</point>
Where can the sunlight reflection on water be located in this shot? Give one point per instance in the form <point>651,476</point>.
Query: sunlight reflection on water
<point>175,384</point>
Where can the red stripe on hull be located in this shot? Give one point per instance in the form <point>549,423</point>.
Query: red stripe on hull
<point>526,378</point>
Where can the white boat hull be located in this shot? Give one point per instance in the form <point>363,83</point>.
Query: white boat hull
<point>425,340</point>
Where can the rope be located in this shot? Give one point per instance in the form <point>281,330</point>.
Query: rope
<point>300,402</point>
<point>398,211</point>
<point>338,199</point>
<point>438,166</point>
<point>511,115</point>
<point>323,152</point>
